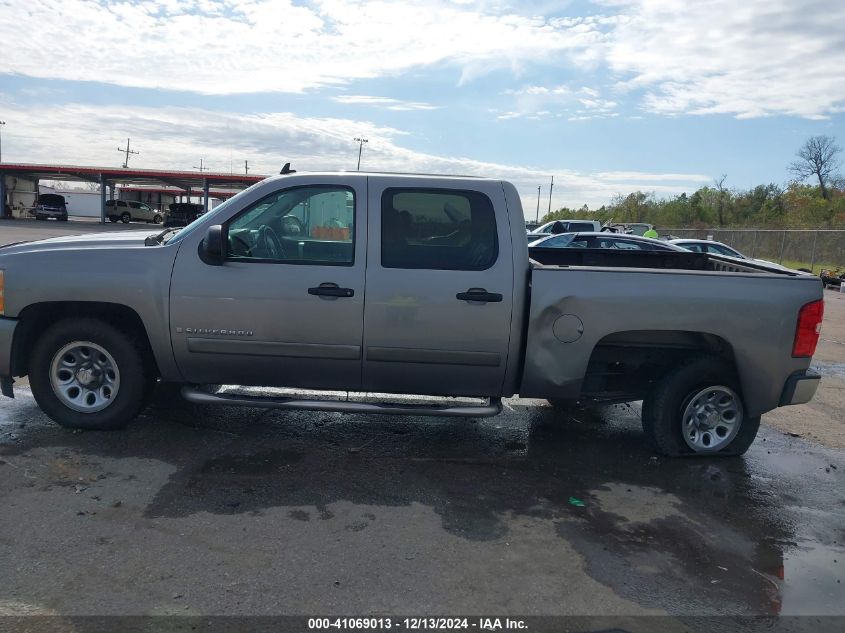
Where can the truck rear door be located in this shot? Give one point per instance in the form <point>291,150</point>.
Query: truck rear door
<point>437,316</point>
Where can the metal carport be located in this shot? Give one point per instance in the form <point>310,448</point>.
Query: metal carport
<point>107,177</point>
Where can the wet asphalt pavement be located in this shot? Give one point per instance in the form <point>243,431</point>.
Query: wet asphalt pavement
<point>197,510</point>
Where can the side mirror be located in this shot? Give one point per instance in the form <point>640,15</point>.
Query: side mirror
<point>213,247</point>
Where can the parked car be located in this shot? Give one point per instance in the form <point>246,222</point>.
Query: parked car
<point>718,248</point>
<point>556,227</point>
<point>707,246</point>
<point>131,210</point>
<point>50,205</point>
<point>425,287</point>
<point>183,213</point>
<point>602,240</point>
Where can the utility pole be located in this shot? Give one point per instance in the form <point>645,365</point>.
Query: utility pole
<point>126,151</point>
<point>2,123</point>
<point>246,167</point>
<point>201,168</point>
<point>551,186</point>
<point>361,142</point>
<point>537,218</point>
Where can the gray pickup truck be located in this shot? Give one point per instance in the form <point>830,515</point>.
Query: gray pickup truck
<point>402,284</point>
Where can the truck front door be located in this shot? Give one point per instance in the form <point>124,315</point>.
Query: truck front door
<point>286,306</point>
<point>437,318</point>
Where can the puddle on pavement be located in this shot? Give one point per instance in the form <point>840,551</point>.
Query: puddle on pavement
<point>813,581</point>
<point>829,369</point>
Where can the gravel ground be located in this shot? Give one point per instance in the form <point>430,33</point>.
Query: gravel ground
<point>822,419</point>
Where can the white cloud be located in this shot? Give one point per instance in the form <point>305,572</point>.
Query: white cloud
<point>577,104</point>
<point>177,138</point>
<point>747,59</point>
<point>242,46</point>
<point>384,102</point>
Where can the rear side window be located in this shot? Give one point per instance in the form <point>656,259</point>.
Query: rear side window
<point>438,229</point>
<point>692,246</point>
<point>581,226</point>
<point>721,250</point>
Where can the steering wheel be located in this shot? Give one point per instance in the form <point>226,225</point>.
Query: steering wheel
<point>268,243</point>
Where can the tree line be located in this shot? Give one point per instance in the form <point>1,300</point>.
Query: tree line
<point>814,199</point>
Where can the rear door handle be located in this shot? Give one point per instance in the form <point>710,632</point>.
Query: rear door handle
<point>480,295</point>
<point>331,290</point>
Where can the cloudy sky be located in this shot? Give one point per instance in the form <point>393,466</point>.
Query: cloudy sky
<point>608,96</point>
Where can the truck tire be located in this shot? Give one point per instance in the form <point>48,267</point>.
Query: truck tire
<point>125,217</point>
<point>697,409</point>
<point>87,374</point>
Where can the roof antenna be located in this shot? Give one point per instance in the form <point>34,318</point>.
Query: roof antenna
<point>287,170</point>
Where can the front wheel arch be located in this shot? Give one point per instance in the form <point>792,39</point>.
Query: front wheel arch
<point>37,317</point>
<point>68,374</point>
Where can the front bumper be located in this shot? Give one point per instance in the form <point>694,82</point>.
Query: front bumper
<point>800,388</point>
<point>7,335</point>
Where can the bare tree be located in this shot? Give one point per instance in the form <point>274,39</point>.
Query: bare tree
<point>720,202</point>
<point>819,157</point>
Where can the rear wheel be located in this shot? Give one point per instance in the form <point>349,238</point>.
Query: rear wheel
<point>113,218</point>
<point>697,408</point>
<point>125,217</point>
<point>157,219</point>
<point>87,374</point>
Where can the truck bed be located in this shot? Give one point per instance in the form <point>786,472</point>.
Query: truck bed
<point>666,260</point>
<point>636,308</point>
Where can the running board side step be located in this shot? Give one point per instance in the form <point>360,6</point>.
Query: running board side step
<point>493,407</point>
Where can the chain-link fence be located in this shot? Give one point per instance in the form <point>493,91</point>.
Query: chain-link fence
<point>794,248</point>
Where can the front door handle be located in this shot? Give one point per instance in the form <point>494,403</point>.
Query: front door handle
<point>331,290</point>
<point>480,295</point>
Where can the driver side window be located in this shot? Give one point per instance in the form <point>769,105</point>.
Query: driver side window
<point>301,225</point>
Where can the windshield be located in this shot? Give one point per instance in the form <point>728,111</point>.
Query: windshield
<point>187,230</point>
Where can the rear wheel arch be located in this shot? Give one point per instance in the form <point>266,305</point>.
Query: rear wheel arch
<point>647,355</point>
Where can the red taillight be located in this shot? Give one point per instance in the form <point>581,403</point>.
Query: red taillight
<point>808,329</point>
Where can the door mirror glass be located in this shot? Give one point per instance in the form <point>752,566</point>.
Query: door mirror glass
<point>212,246</point>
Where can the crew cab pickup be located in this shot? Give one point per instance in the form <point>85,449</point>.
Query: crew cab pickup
<point>402,284</point>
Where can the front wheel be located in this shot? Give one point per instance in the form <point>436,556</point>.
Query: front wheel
<point>86,374</point>
<point>697,408</point>
<point>157,219</point>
